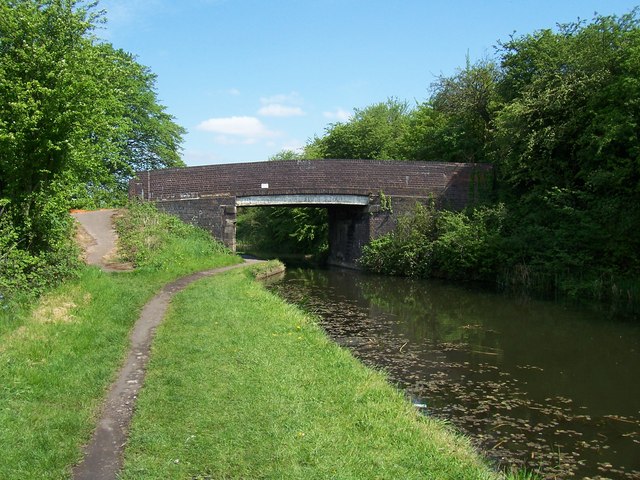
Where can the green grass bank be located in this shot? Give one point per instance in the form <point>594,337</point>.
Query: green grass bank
<point>58,357</point>
<point>240,384</point>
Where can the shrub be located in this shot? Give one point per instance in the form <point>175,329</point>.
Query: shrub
<point>446,244</point>
<point>30,265</point>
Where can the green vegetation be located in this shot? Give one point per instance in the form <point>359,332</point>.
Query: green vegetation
<point>432,243</point>
<point>242,385</point>
<point>374,132</point>
<point>278,230</point>
<point>57,359</point>
<point>556,113</point>
<point>77,118</point>
<point>264,270</point>
<point>298,230</point>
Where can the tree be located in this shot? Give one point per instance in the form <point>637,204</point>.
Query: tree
<point>568,148</point>
<point>374,132</point>
<point>73,109</point>
<point>146,136</point>
<point>77,117</point>
<point>456,123</point>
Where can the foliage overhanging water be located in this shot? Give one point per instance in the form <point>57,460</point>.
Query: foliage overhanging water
<point>536,384</point>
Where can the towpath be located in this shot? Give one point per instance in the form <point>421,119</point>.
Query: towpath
<point>104,454</point>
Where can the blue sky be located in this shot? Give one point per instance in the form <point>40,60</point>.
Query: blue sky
<point>249,78</point>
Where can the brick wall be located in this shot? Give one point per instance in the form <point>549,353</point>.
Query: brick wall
<point>206,196</point>
<point>216,215</point>
<point>453,183</point>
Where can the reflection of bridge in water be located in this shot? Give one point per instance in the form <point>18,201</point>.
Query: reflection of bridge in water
<point>364,198</point>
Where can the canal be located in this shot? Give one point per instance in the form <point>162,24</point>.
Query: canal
<point>548,387</point>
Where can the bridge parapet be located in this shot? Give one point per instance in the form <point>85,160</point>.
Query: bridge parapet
<point>356,177</point>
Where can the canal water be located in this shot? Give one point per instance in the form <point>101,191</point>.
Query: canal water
<point>548,387</point>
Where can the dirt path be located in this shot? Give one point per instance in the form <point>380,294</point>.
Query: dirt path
<point>98,237</point>
<point>103,455</point>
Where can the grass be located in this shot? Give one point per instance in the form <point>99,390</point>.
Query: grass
<point>242,385</point>
<point>267,269</point>
<point>58,357</point>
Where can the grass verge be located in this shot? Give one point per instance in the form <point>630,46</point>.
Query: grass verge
<point>268,269</point>
<point>243,385</point>
<point>58,357</point>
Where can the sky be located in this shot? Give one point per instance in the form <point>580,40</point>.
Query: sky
<point>250,78</point>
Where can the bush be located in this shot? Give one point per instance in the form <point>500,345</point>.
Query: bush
<point>467,244</point>
<point>30,265</point>
<point>445,244</point>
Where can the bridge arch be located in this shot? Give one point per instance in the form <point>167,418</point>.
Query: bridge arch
<point>364,198</point>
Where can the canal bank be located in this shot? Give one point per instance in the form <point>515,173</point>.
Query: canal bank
<point>240,384</point>
<point>243,385</point>
<point>537,384</point>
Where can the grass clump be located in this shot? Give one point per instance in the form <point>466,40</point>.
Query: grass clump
<point>264,270</point>
<point>58,357</point>
<point>243,385</point>
<point>158,241</point>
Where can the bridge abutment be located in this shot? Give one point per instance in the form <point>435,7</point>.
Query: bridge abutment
<point>349,232</point>
<point>216,215</point>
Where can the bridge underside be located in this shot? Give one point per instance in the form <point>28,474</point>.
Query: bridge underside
<point>301,200</point>
<point>348,220</point>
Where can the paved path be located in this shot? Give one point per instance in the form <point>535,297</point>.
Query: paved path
<point>104,454</point>
<point>99,225</point>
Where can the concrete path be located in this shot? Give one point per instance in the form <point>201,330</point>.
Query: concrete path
<point>103,455</point>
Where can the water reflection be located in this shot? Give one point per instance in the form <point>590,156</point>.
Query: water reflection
<point>537,384</point>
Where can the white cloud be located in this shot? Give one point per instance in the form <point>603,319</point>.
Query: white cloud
<point>339,114</point>
<point>293,145</point>
<point>233,130</point>
<point>279,110</point>
<point>242,126</point>
<point>234,92</point>
<point>282,105</point>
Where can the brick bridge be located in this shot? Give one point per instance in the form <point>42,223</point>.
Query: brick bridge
<point>364,198</point>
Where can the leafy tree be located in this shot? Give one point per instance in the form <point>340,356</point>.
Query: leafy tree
<point>145,135</point>
<point>456,123</point>
<point>568,147</point>
<point>374,132</point>
<point>73,109</point>
<point>77,117</point>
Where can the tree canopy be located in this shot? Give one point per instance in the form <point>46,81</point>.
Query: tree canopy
<point>371,133</point>
<point>77,118</point>
<point>557,112</point>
